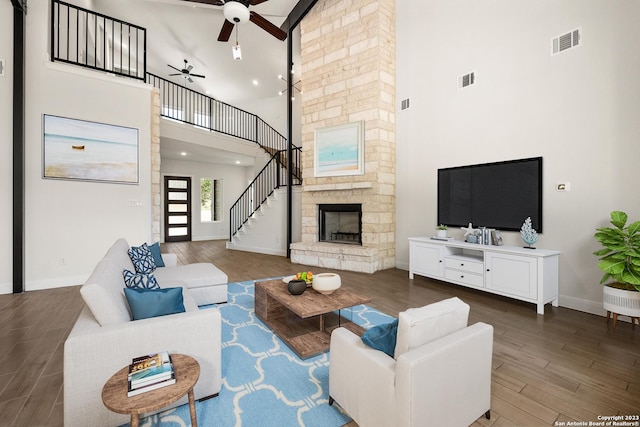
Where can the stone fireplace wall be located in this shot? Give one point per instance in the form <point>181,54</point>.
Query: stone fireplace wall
<point>348,75</point>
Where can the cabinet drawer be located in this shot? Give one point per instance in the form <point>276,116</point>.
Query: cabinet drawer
<point>464,265</point>
<point>465,278</point>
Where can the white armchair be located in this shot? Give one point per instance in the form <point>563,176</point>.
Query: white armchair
<point>440,376</point>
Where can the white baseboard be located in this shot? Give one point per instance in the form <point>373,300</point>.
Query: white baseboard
<point>36,285</point>
<point>203,238</point>
<point>580,304</point>
<point>260,250</point>
<point>402,266</point>
<point>6,288</point>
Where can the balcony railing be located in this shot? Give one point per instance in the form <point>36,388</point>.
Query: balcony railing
<point>186,105</point>
<point>92,40</point>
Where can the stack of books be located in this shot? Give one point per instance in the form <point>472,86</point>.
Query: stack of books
<point>150,372</point>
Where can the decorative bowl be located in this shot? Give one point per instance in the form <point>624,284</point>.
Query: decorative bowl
<point>326,283</point>
<point>296,287</point>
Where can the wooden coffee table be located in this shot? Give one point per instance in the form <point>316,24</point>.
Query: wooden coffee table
<point>304,322</point>
<point>114,392</point>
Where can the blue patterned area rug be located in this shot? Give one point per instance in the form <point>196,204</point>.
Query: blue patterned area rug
<point>264,383</point>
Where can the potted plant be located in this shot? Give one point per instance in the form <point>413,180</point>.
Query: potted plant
<point>442,230</point>
<point>620,261</point>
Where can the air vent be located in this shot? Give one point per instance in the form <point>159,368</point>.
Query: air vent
<point>566,41</point>
<point>404,104</point>
<point>466,80</point>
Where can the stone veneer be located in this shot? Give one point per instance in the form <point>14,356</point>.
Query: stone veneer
<point>348,75</point>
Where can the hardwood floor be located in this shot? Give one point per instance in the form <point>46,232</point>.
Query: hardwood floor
<point>563,366</point>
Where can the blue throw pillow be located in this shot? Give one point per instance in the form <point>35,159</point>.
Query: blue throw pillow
<point>157,256</point>
<point>139,280</point>
<point>382,337</point>
<point>142,259</point>
<point>145,303</point>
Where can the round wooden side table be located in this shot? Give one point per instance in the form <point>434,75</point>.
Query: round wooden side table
<point>114,392</point>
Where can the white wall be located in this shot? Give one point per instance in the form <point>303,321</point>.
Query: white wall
<point>69,225</point>
<point>578,110</point>
<point>234,181</point>
<point>6,136</point>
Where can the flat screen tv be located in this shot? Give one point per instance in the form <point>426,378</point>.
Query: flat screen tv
<point>497,195</point>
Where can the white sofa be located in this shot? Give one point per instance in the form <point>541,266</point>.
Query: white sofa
<point>104,339</point>
<point>440,376</point>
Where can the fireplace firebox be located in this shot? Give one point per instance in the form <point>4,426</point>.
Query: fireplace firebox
<point>340,223</point>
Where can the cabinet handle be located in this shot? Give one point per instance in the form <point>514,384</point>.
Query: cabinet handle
<point>462,277</point>
<point>440,261</point>
<point>462,264</point>
<point>488,269</point>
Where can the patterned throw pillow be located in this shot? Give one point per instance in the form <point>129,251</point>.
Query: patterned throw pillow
<point>142,259</point>
<point>139,280</point>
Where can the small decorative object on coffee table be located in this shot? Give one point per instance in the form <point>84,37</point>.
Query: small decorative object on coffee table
<point>114,392</point>
<point>326,283</point>
<point>296,287</point>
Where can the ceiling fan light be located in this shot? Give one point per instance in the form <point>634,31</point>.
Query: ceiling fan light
<point>235,12</point>
<point>237,53</point>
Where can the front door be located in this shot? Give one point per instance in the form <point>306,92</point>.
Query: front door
<point>177,209</point>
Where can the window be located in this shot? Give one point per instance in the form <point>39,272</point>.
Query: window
<point>210,199</point>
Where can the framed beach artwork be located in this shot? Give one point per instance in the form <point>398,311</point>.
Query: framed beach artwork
<point>339,150</point>
<point>89,151</point>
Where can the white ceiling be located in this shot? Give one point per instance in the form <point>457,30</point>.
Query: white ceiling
<point>179,30</point>
<point>180,150</point>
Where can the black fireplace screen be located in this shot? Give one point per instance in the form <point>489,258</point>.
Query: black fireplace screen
<point>340,223</point>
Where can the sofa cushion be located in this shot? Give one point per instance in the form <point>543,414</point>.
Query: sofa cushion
<point>418,326</point>
<point>107,303</point>
<point>195,275</point>
<point>145,303</point>
<point>118,253</point>
<point>142,259</point>
<point>382,337</point>
<point>156,254</point>
<point>139,280</point>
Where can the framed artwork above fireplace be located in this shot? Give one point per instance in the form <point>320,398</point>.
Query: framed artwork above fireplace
<point>339,150</point>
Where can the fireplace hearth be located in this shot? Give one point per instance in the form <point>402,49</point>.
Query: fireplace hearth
<point>340,223</point>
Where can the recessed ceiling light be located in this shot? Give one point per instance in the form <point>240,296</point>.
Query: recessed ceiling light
<point>208,92</point>
<point>255,83</point>
<point>237,162</point>
<point>183,153</point>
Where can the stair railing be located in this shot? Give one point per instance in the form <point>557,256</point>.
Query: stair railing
<point>272,176</point>
<point>92,40</point>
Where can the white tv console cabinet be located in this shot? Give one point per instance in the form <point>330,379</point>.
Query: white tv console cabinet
<point>525,274</point>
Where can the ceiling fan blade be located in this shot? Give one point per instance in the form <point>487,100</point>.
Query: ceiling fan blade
<point>225,31</point>
<point>255,2</point>
<point>197,75</point>
<point>177,69</point>
<point>210,2</point>
<point>190,67</point>
<point>190,79</point>
<point>176,74</point>
<point>267,26</point>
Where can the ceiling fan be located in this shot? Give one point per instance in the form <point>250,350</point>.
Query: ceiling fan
<point>237,12</point>
<point>185,72</point>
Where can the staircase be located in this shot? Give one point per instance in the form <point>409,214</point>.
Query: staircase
<point>178,102</point>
